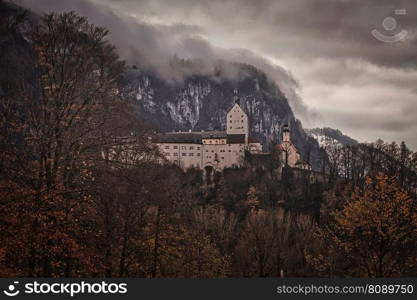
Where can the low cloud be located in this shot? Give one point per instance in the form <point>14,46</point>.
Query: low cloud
<point>356,83</point>
<point>156,46</point>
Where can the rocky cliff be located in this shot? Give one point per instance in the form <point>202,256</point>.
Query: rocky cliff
<point>201,103</point>
<point>196,102</point>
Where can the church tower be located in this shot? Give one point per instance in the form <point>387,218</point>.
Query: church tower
<point>286,134</point>
<point>290,154</point>
<point>237,120</point>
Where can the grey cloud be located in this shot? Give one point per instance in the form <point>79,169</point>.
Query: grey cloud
<point>153,46</point>
<point>327,45</point>
<point>391,117</point>
<point>368,126</point>
<point>359,73</point>
<point>338,29</point>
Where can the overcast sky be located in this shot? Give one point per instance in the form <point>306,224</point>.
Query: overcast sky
<point>320,52</point>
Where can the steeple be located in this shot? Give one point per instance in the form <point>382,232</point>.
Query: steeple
<point>236,119</point>
<point>286,133</point>
<point>236,97</point>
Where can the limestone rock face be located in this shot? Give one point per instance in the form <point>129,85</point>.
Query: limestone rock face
<point>202,102</point>
<point>196,102</point>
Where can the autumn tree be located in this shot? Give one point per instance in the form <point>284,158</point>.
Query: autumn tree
<point>252,200</point>
<point>220,225</point>
<point>55,133</point>
<point>273,243</point>
<point>374,235</point>
<point>182,250</point>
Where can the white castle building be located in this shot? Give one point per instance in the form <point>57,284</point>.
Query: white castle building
<point>214,150</point>
<point>217,150</point>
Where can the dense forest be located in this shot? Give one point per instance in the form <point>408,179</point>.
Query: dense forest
<point>83,192</point>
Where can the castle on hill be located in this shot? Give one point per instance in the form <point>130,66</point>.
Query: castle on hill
<point>217,150</point>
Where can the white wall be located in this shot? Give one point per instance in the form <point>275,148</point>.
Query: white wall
<point>218,156</point>
<point>185,155</point>
<point>237,121</point>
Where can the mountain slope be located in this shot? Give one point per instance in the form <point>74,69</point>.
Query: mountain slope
<point>330,136</point>
<point>202,102</point>
<point>196,102</point>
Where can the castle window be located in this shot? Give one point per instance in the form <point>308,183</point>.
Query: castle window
<point>166,147</point>
<point>167,154</point>
<point>184,154</point>
<point>183,147</point>
<point>198,154</point>
<point>175,147</point>
<point>175,154</point>
<point>198,148</point>
<point>191,148</point>
<point>222,157</point>
<point>191,154</point>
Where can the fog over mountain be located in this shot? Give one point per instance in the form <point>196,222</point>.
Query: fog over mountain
<point>153,45</point>
<point>346,78</point>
